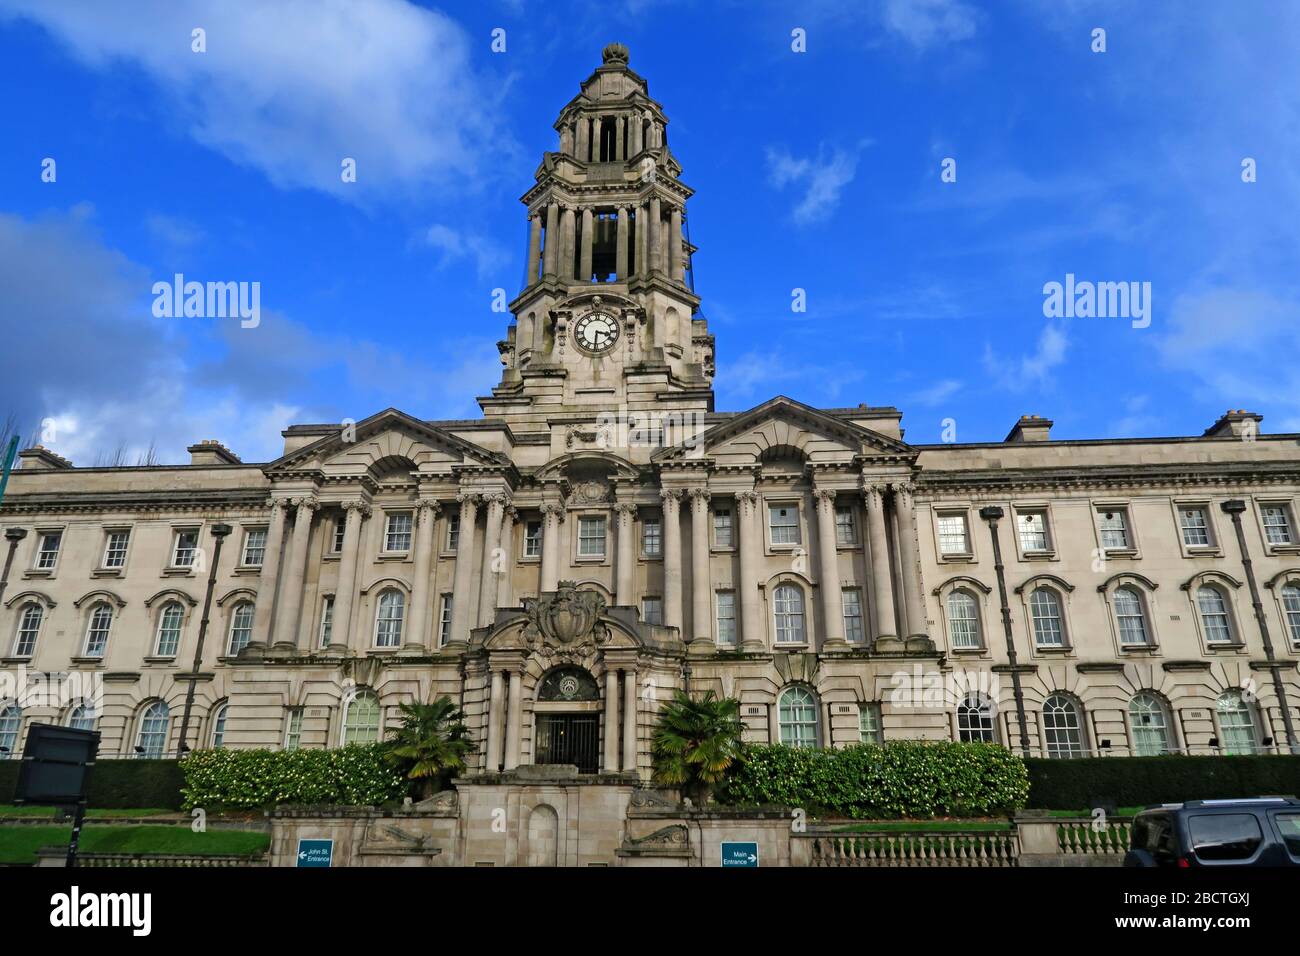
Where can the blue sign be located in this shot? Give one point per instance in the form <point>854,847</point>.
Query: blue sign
<point>739,854</point>
<point>315,852</point>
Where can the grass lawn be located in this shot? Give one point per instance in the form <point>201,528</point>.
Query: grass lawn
<point>25,810</point>
<point>18,844</point>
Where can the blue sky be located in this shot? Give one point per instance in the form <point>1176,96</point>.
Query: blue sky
<point>817,170</point>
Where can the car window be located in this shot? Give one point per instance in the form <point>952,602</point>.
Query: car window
<point>1224,836</point>
<point>1162,838</point>
<point>1288,824</point>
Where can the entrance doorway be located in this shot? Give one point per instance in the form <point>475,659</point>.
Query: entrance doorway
<point>569,738</point>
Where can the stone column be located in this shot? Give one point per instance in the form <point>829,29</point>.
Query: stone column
<point>345,593</point>
<point>587,237</point>
<point>620,255</point>
<point>462,600</point>
<point>514,719</point>
<point>643,239</point>
<point>552,515</point>
<point>634,141</point>
<point>611,721</point>
<point>426,515</point>
<point>584,138</point>
<point>268,576</point>
<point>492,567</point>
<point>534,245</point>
<point>751,542</point>
<point>620,124</point>
<point>672,545</point>
<point>567,244</point>
<point>505,588</point>
<point>874,497</point>
<point>625,590</point>
<point>913,595</point>
<point>496,720</point>
<point>675,245</point>
<point>656,245</point>
<point>289,617</point>
<point>629,721</point>
<point>829,571</point>
<point>701,584</point>
<point>551,251</point>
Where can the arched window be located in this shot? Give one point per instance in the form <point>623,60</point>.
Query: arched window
<point>151,741</point>
<point>1214,615</point>
<point>388,619</point>
<point>241,627</point>
<point>1062,727</point>
<point>170,619</point>
<point>1045,609</point>
<point>1150,721</point>
<point>963,621</point>
<point>81,717</point>
<point>219,727</point>
<point>101,622</point>
<point>798,718</point>
<point>975,719</point>
<point>361,719</point>
<point>1131,617</point>
<point>11,721</point>
<point>787,604</point>
<point>1291,603</point>
<point>29,628</point>
<point>1238,732</point>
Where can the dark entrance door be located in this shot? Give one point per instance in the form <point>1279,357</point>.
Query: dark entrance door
<point>569,738</point>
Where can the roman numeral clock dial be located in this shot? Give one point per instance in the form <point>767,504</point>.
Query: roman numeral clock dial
<point>596,332</point>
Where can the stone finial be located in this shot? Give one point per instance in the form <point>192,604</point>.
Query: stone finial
<point>614,53</point>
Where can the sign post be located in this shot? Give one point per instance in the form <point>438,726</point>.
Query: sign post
<point>315,853</point>
<point>739,854</point>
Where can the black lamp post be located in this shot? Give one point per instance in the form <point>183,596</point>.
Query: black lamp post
<point>219,532</point>
<point>991,514</point>
<point>13,536</point>
<point>1234,508</point>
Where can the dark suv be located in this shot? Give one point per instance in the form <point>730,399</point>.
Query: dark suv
<point>1261,831</point>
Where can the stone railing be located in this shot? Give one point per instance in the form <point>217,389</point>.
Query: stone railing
<point>917,848</point>
<point>1083,836</point>
<point>57,857</point>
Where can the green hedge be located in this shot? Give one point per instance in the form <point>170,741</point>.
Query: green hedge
<point>1136,781</point>
<point>351,776</point>
<point>117,784</point>
<point>900,779</point>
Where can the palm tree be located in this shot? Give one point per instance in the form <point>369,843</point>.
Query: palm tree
<point>696,741</point>
<point>432,743</point>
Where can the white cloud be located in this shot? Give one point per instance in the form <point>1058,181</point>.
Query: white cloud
<point>1031,369</point>
<point>926,23</point>
<point>453,244</point>
<point>938,393</point>
<point>293,87</point>
<point>171,231</point>
<point>823,180</point>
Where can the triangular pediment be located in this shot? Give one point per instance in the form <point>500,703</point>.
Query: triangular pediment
<point>389,439</point>
<point>783,424</point>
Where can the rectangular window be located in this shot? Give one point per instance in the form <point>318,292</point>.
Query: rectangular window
<point>444,621</point>
<point>869,731</point>
<point>397,532</point>
<point>1195,526</point>
<point>853,630</point>
<point>533,539</point>
<point>47,555</point>
<point>340,528</point>
<point>652,610</point>
<point>1114,529</point>
<point>327,621</point>
<point>453,532</point>
<point>1277,524</point>
<point>652,540</point>
<point>293,729</point>
<point>591,536</point>
<point>1032,528</point>
<point>783,520</point>
<point>254,548</point>
<point>726,617</point>
<point>115,549</point>
<point>187,543</point>
<point>953,538</point>
<point>722,533</point>
<point>846,531</point>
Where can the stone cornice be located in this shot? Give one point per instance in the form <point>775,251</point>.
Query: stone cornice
<point>183,501</point>
<point>1085,477</point>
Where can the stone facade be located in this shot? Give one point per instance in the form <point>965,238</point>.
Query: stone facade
<point>602,537</point>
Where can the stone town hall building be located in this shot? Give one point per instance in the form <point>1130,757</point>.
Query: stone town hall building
<point>602,536</point>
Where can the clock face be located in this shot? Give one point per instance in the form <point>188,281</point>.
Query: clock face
<point>596,331</point>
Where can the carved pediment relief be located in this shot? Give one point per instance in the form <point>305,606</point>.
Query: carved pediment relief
<point>567,623</point>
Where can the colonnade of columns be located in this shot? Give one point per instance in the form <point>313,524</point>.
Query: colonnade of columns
<point>580,137</point>
<point>560,232</point>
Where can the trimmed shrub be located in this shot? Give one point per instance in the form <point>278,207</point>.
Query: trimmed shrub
<point>1137,781</point>
<point>117,784</point>
<point>900,779</point>
<point>247,779</point>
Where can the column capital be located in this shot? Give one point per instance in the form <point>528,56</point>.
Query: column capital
<point>426,506</point>
<point>747,497</point>
<point>552,508</point>
<point>670,494</point>
<point>625,508</point>
<point>825,495</point>
<point>468,498</point>
<point>510,514</point>
<point>356,504</point>
<point>306,501</point>
<point>699,494</point>
<point>495,498</point>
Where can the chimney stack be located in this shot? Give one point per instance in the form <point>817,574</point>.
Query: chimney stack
<point>1235,423</point>
<point>1030,428</point>
<point>212,452</point>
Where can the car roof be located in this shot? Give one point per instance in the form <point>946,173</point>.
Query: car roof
<point>1239,803</point>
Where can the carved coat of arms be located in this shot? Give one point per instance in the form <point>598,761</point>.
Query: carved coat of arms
<point>568,620</point>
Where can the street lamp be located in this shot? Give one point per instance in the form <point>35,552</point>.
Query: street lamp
<point>991,514</point>
<point>1234,508</point>
<point>13,536</point>
<point>219,532</point>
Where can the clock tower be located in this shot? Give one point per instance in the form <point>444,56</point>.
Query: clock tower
<point>608,318</point>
